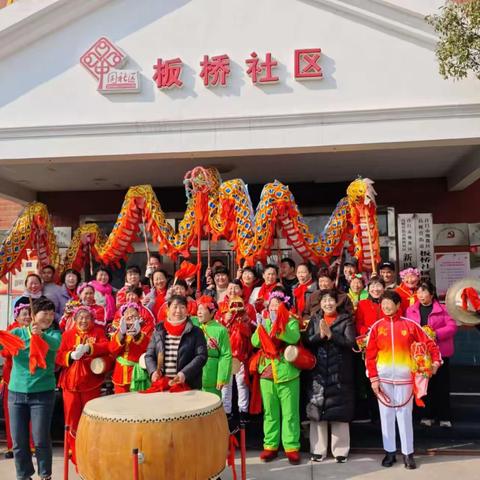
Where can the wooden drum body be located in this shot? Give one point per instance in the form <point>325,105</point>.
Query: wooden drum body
<point>180,436</point>
<point>299,356</point>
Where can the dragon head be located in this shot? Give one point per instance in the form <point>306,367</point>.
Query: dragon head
<point>361,192</point>
<point>203,180</point>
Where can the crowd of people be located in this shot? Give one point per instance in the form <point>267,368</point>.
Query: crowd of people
<point>301,345</point>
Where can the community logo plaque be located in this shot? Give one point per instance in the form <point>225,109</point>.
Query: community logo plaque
<point>104,60</point>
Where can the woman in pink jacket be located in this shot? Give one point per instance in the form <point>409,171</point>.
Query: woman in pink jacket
<point>428,311</point>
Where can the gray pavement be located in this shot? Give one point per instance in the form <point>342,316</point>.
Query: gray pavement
<point>359,467</point>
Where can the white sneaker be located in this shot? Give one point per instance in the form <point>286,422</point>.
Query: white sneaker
<point>426,422</point>
<point>446,423</point>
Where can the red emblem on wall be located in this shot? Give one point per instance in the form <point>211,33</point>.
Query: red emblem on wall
<point>103,60</point>
<point>307,64</point>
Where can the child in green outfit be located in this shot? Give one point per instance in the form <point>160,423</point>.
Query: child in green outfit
<point>218,369</point>
<point>279,380</point>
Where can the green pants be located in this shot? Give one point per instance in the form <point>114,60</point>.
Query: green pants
<point>281,405</point>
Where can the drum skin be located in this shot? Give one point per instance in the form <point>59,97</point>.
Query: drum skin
<point>179,435</point>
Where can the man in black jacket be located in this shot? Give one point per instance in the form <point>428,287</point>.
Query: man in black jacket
<point>178,349</point>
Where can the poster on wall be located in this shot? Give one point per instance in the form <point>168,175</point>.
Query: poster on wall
<point>18,280</point>
<point>415,241</point>
<point>63,235</point>
<point>450,267</point>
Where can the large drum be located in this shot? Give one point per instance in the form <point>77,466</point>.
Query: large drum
<point>180,436</point>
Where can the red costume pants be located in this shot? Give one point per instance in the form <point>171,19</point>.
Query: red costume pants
<point>73,403</point>
<point>121,388</point>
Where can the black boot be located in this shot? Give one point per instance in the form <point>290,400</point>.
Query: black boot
<point>409,462</point>
<point>389,459</point>
<point>232,423</point>
<point>244,418</point>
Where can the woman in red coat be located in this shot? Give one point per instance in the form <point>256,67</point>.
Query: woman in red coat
<point>407,290</point>
<point>180,288</point>
<point>80,345</point>
<point>134,295</point>
<point>369,310</point>
<point>367,314</point>
<point>86,293</point>
<point>127,345</point>
<point>86,296</point>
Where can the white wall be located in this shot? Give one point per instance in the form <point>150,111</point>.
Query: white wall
<point>367,66</point>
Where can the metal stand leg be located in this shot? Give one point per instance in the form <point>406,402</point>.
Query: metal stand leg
<point>66,452</point>
<point>243,451</point>
<point>233,443</point>
<point>135,463</point>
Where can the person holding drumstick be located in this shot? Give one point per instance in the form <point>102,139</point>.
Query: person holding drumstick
<point>31,391</point>
<point>178,349</point>
<point>23,318</point>
<point>239,319</point>
<point>279,379</point>
<point>79,346</point>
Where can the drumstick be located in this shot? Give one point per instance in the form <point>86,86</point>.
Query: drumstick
<point>340,265</point>
<point>31,311</point>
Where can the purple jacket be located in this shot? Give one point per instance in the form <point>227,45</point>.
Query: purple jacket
<point>441,322</point>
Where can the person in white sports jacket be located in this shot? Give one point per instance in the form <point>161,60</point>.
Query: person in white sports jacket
<point>389,367</point>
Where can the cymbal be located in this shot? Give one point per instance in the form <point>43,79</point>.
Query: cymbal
<point>453,301</point>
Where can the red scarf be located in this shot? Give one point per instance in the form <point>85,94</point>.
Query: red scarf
<point>247,291</point>
<point>72,292</point>
<point>281,321</point>
<point>175,330</point>
<point>410,294</point>
<point>159,301</point>
<point>330,318</point>
<point>11,343</point>
<point>265,291</point>
<point>163,385</point>
<point>299,294</point>
<point>38,352</point>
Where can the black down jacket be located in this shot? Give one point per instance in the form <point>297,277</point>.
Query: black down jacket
<point>329,386</point>
<point>192,353</point>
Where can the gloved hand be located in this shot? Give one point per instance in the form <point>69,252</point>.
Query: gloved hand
<point>149,271</point>
<point>78,353</point>
<point>122,327</point>
<point>86,348</point>
<point>134,329</point>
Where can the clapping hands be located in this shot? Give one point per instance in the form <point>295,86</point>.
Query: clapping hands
<point>80,351</point>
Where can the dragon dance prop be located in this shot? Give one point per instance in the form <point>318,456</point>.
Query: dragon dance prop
<point>216,210</point>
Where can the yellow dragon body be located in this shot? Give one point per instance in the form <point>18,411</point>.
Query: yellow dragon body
<point>223,209</point>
